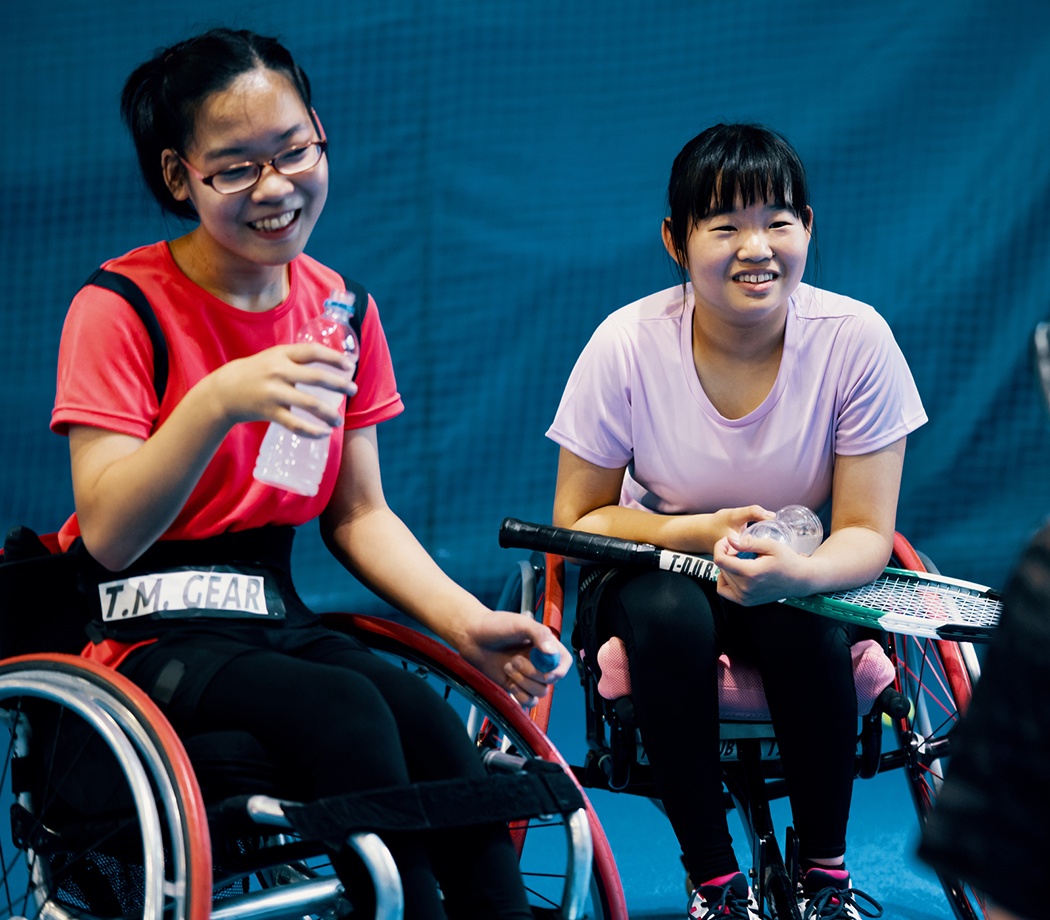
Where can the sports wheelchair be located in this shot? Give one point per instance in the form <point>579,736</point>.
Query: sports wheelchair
<point>919,686</point>
<point>113,815</point>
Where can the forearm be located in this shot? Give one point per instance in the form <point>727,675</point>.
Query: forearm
<point>587,498</point>
<point>128,492</point>
<point>383,553</point>
<point>695,533</point>
<point>849,557</point>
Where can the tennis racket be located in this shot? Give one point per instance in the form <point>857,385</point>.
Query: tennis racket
<point>898,601</point>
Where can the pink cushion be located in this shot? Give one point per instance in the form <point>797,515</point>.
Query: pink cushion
<point>741,696</point>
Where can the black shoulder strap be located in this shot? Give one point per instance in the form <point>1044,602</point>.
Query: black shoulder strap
<point>360,308</point>
<point>132,293</point>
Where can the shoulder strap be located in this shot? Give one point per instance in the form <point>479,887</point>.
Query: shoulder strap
<point>132,293</point>
<point>360,308</point>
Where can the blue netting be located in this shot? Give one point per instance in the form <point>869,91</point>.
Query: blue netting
<point>497,181</point>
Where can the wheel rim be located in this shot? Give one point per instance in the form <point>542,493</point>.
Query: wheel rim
<point>935,676</point>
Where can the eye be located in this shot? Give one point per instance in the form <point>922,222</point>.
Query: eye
<point>296,156</point>
<point>236,173</point>
<point>724,228</point>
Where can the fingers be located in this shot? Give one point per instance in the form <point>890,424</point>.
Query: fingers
<point>501,645</point>
<point>298,386</point>
<point>544,661</point>
<point>314,352</point>
<point>527,685</point>
<point>548,657</point>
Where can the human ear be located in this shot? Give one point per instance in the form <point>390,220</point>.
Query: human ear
<point>174,175</point>
<point>665,232</point>
<point>808,220</point>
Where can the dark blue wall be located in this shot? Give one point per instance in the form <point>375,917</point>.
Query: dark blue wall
<point>497,182</point>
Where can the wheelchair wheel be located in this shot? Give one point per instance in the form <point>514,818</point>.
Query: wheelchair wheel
<point>937,677</point>
<point>505,728</point>
<point>107,820</point>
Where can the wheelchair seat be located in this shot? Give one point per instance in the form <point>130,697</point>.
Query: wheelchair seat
<point>741,696</point>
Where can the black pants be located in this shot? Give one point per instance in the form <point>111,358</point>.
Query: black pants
<point>340,719</point>
<point>674,629</point>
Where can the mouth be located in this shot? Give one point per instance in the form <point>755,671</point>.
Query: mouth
<point>754,277</point>
<point>274,224</point>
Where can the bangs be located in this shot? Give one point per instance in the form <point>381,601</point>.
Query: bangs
<point>746,184</point>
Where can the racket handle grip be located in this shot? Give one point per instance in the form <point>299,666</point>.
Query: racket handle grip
<point>575,543</point>
<point>543,661</point>
<point>895,704</point>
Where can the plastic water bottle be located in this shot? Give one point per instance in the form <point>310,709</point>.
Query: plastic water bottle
<point>795,526</point>
<point>285,459</point>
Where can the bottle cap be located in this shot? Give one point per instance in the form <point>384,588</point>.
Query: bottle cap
<point>342,300</point>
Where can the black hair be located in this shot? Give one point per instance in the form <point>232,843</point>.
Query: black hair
<point>725,162</point>
<point>162,97</point>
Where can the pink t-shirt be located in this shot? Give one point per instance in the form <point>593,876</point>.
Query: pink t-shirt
<point>105,379</point>
<point>634,399</point>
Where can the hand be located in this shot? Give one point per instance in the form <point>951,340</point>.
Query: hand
<point>263,387</point>
<point>499,647</point>
<point>733,520</point>
<point>775,572</point>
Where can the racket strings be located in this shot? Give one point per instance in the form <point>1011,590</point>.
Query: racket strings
<point>922,599</point>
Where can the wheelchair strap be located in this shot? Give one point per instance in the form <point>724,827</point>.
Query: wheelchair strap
<point>544,789</point>
<point>123,286</point>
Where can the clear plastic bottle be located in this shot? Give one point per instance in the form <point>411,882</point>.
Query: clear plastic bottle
<point>794,525</point>
<point>286,460</point>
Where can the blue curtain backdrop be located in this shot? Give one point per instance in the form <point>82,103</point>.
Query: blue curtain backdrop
<point>498,173</point>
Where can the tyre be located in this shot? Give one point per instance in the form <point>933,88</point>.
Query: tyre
<point>937,677</point>
<point>107,819</point>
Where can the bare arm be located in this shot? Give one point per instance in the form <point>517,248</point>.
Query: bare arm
<point>371,541</point>
<point>587,498</point>
<point>864,510</point>
<point>128,491</point>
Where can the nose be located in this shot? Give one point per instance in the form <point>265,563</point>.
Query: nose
<point>272,185</point>
<point>754,247</point>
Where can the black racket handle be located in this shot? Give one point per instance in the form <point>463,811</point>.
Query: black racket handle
<point>591,546</point>
<point>894,703</point>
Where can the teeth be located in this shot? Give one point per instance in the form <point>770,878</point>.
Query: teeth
<point>756,279</point>
<point>273,223</point>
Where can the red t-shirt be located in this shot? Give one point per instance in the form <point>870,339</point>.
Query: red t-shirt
<point>105,379</point>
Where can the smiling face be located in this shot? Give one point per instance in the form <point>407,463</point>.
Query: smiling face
<point>258,116</point>
<point>745,263</point>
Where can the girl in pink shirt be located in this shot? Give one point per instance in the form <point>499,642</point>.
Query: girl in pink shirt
<point>697,410</point>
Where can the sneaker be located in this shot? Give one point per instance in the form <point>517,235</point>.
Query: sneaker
<point>728,896</point>
<point>825,894</point>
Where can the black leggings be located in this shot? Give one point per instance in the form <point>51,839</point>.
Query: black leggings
<point>340,719</point>
<point>674,630</point>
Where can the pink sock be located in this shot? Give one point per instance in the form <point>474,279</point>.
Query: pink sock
<point>721,880</point>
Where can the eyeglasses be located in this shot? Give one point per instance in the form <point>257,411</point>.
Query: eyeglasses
<point>243,176</point>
